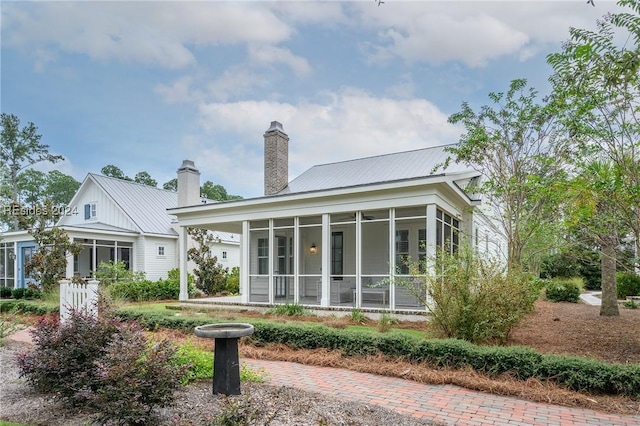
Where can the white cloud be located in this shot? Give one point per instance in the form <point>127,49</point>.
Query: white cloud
<point>349,124</point>
<point>470,32</point>
<point>265,54</point>
<point>156,33</point>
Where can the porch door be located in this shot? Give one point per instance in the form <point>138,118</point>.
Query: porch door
<point>283,268</point>
<point>27,254</point>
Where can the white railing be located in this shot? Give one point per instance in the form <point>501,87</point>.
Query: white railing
<point>78,297</point>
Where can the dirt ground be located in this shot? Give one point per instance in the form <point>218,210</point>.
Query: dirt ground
<point>578,329</point>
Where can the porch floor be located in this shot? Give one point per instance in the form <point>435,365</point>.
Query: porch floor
<point>235,303</point>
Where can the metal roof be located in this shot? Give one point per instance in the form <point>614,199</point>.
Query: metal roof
<point>145,205</point>
<point>370,170</point>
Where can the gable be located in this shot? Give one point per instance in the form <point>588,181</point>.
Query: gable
<point>123,204</point>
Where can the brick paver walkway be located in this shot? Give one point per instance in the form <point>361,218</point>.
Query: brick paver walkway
<point>447,404</point>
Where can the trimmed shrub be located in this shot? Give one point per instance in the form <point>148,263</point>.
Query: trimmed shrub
<point>28,307</point>
<point>145,290</point>
<point>563,290</point>
<point>5,292</point>
<point>288,309</point>
<point>628,284</point>
<point>18,293</point>
<point>520,362</point>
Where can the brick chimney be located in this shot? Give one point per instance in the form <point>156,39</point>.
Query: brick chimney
<point>188,184</point>
<point>276,159</point>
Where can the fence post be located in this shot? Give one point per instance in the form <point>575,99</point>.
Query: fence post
<point>64,306</point>
<point>78,296</point>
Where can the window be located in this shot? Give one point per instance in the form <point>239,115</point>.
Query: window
<point>337,255</point>
<point>224,254</point>
<point>160,250</point>
<point>447,232</point>
<point>263,256</point>
<point>90,211</point>
<point>402,251</point>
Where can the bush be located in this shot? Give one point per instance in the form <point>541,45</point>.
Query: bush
<point>145,290</point>
<point>233,281</point>
<point>63,360</point>
<point>5,292</point>
<point>386,322</point>
<point>628,284</point>
<point>134,376</point>
<point>18,293</point>
<point>112,272</point>
<point>32,292</point>
<point>472,298</point>
<point>520,362</point>
<point>288,309</point>
<point>563,290</point>
<point>102,363</point>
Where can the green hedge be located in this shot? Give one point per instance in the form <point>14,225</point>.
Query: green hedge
<point>563,290</point>
<point>628,284</point>
<point>145,290</point>
<point>575,373</point>
<point>27,307</point>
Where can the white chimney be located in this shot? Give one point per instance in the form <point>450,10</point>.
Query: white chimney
<point>188,184</point>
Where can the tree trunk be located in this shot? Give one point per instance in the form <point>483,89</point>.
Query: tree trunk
<point>609,305</point>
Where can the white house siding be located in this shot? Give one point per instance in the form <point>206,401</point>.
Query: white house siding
<point>487,239</point>
<point>233,254</point>
<point>158,265</point>
<point>106,210</point>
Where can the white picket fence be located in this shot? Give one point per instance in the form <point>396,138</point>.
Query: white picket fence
<point>78,297</point>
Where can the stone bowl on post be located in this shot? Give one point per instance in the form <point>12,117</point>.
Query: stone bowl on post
<point>226,362</point>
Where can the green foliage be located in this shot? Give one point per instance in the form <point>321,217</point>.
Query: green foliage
<point>63,360</point>
<point>357,316</point>
<point>507,142</point>
<point>385,322</point>
<point>199,365</point>
<point>145,179</point>
<point>18,293</point>
<point>21,147</point>
<point>472,298</point>
<point>520,362</point>
<point>145,290</point>
<point>233,281</point>
<point>9,322</point>
<point>5,292</point>
<point>630,304</point>
<point>216,192</point>
<point>563,290</point>
<point>211,276</point>
<point>133,376</point>
<point>628,284</point>
<point>29,307</point>
<point>103,363</point>
<point>288,309</point>
<point>242,411</point>
<point>114,172</point>
<point>113,271</point>
<point>174,275</point>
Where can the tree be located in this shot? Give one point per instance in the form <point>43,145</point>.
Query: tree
<point>171,185</point>
<point>114,172</point>
<point>509,144</point>
<point>596,89</point>
<point>216,192</point>
<point>211,277</point>
<point>21,148</point>
<point>61,187</point>
<point>32,186</point>
<point>145,179</point>
<point>49,264</point>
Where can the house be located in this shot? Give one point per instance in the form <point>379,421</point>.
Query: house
<point>116,220</point>
<point>338,235</point>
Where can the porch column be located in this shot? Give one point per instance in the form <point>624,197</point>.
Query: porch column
<point>94,257</point>
<point>431,236</point>
<point>182,263</point>
<point>244,262</point>
<point>69,270</point>
<point>358,301</point>
<point>272,260</point>
<point>325,253</point>
<point>392,258</point>
<point>115,251</point>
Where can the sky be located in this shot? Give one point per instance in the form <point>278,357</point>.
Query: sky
<point>144,85</point>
